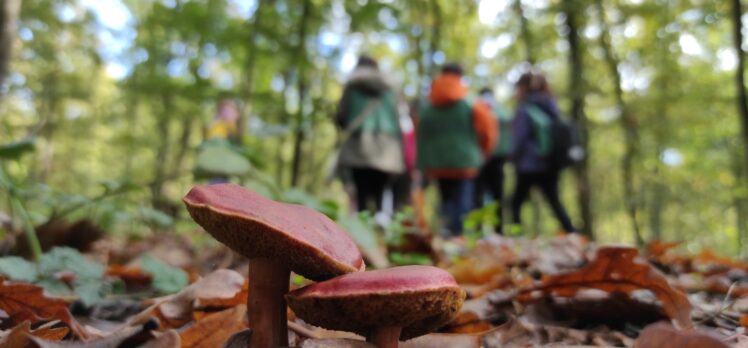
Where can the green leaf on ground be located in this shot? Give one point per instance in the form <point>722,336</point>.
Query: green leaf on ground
<point>16,268</point>
<point>166,279</point>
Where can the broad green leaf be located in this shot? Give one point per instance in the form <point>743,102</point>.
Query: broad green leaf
<point>55,287</point>
<point>219,159</point>
<point>166,279</point>
<point>16,150</point>
<point>68,259</point>
<point>16,268</point>
<point>89,284</point>
<point>155,217</point>
<point>91,291</point>
<point>362,232</point>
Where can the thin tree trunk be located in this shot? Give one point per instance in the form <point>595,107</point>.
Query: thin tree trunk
<point>280,165</point>
<point>254,28</point>
<point>9,12</point>
<point>159,164</point>
<point>524,27</point>
<point>184,147</point>
<point>742,100</point>
<point>577,89</point>
<point>302,90</point>
<point>629,126</point>
<point>436,33</point>
<point>658,191</point>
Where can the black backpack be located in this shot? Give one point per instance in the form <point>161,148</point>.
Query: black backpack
<point>567,147</point>
<point>565,141</point>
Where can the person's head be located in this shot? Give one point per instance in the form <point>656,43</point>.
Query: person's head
<point>452,68</point>
<point>486,91</point>
<point>531,83</point>
<point>227,110</point>
<point>365,61</point>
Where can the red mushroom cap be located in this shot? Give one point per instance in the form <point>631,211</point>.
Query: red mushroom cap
<point>307,241</point>
<point>417,298</point>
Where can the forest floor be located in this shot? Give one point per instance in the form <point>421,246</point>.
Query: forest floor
<point>561,292</point>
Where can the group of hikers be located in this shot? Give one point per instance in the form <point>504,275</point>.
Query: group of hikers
<point>460,142</point>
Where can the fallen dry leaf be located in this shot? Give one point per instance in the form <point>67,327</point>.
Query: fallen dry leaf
<point>657,248</point>
<point>467,322</point>
<point>27,302</point>
<point>662,335</point>
<point>19,336</point>
<point>215,329</point>
<point>336,343</point>
<point>224,302</point>
<point>616,269</point>
<point>709,258</point>
<point>130,275</point>
<point>222,283</point>
<point>167,339</point>
<point>437,340</point>
<point>114,340</point>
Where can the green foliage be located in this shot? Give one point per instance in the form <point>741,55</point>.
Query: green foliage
<point>480,223</point>
<point>14,151</point>
<point>88,282</point>
<point>361,229</point>
<point>181,57</point>
<point>166,279</point>
<point>17,268</point>
<point>403,259</point>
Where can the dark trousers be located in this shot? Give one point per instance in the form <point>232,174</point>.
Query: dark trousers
<point>548,184</point>
<point>370,184</point>
<point>401,187</point>
<point>491,180</point>
<point>457,201</point>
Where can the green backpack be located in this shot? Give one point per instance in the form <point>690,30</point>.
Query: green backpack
<point>542,127</point>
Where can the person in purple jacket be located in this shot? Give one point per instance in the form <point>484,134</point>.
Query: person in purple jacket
<point>534,169</point>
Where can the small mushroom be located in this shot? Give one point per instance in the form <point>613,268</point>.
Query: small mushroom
<point>277,238</point>
<point>384,306</point>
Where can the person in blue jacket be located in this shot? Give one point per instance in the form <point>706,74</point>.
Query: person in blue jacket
<point>533,168</point>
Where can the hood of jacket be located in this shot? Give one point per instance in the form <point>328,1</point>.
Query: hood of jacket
<point>369,80</point>
<point>447,89</point>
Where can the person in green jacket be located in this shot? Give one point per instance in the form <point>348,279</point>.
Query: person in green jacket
<point>490,180</point>
<point>372,150</point>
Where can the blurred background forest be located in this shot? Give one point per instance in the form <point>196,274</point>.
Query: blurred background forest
<point>114,96</point>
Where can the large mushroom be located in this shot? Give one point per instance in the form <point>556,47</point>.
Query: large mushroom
<point>384,306</point>
<point>277,238</point>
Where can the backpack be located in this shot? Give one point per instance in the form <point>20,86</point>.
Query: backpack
<point>558,140</point>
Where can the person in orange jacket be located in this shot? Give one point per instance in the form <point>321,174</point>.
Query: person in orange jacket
<point>455,135</point>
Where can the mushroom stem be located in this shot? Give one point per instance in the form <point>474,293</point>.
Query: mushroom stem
<point>266,306</point>
<point>385,337</point>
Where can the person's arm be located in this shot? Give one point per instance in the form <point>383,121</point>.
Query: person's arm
<point>486,127</point>
<point>341,116</point>
<point>521,131</point>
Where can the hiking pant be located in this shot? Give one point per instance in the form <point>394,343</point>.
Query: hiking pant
<point>401,187</point>
<point>369,184</point>
<point>457,201</point>
<point>548,184</point>
<point>491,180</point>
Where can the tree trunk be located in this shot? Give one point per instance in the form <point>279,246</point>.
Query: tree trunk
<point>577,90</point>
<point>254,28</point>
<point>436,33</point>
<point>302,90</point>
<point>742,100</point>
<point>525,33</point>
<point>630,130</point>
<point>284,120</point>
<point>9,12</point>
<point>162,152</point>
<point>658,185</point>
